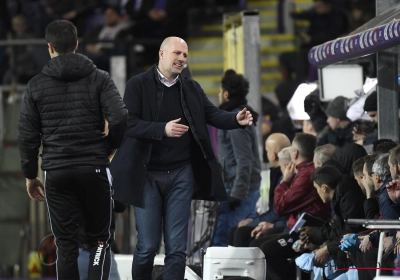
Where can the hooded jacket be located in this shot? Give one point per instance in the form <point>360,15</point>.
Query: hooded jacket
<point>65,107</point>
<point>347,204</point>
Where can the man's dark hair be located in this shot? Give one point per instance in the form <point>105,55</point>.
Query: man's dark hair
<point>376,143</point>
<point>328,175</point>
<point>369,162</point>
<point>62,35</point>
<point>305,144</point>
<point>394,155</point>
<point>235,84</point>
<point>384,148</point>
<point>358,166</point>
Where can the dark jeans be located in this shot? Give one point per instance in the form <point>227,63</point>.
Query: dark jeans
<point>168,195</point>
<point>230,218</point>
<point>67,192</point>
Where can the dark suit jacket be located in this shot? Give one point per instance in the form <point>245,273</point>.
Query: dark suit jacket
<point>142,98</point>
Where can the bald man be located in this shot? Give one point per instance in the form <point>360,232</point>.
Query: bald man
<point>248,229</point>
<point>166,158</point>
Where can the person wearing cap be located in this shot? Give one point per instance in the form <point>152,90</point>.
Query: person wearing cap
<point>339,129</point>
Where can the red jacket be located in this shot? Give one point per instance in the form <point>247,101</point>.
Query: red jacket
<point>300,196</point>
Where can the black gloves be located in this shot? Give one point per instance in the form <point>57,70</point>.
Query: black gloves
<point>233,203</point>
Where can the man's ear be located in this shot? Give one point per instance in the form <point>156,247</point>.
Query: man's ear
<point>275,156</point>
<point>325,188</point>
<point>225,94</point>
<point>51,48</point>
<point>76,47</point>
<point>397,169</point>
<point>295,153</point>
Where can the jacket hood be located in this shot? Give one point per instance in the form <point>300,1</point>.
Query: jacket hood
<point>346,184</point>
<point>69,67</point>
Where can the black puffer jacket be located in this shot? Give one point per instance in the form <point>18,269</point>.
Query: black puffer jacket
<point>65,107</point>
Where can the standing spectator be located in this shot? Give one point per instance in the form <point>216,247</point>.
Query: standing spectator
<point>239,160</point>
<point>158,18</point>
<point>113,29</point>
<point>21,59</point>
<point>326,23</point>
<point>72,10</point>
<point>167,158</point>
<point>64,109</point>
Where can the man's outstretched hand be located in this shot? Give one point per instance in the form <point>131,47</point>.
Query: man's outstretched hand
<point>244,117</point>
<point>35,189</point>
<point>175,129</point>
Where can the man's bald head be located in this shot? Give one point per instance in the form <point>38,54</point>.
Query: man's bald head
<point>273,145</point>
<point>169,41</point>
<point>172,57</point>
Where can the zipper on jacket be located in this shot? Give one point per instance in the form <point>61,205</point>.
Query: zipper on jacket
<point>195,137</point>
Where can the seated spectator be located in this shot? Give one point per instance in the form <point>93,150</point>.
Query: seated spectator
<point>323,153</point>
<point>357,168</point>
<point>22,61</point>
<point>347,199</point>
<point>326,23</point>
<point>384,147</point>
<point>72,10</point>
<point>340,129</point>
<point>347,155</point>
<point>158,18</point>
<point>277,146</point>
<point>114,28</point>
<point>293,196</point>
<point>371,206</point>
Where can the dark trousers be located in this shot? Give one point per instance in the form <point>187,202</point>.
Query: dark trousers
<point>80,191</point>
<point>241,236</point>
<point>167,197</point>
<point>277,249</point>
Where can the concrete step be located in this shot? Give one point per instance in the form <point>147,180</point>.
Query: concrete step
<point>217,43</point>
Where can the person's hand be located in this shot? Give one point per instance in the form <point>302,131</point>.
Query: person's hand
<point>365,245</point>
<point>393,189</point>
<point>289,172</point>
<point>369,190</point>
<point>93,49</point>
<point>358,136</point>
<point>321,257</point>
<point>157,14</point>
<point>233,203</point>
<point>387,243</point>
<point>175,129</point>
<point>305,234</point>
<point>70,15</point>
<point>396,250</point>
<point>35,189</point>
<point>305,39</point>
<point>244,117</point>
<point>244,222</point>
<point>299,246</point>
<point>261,229</point>
<point>49,11</point>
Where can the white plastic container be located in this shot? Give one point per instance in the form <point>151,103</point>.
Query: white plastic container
<point>233,261</point>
